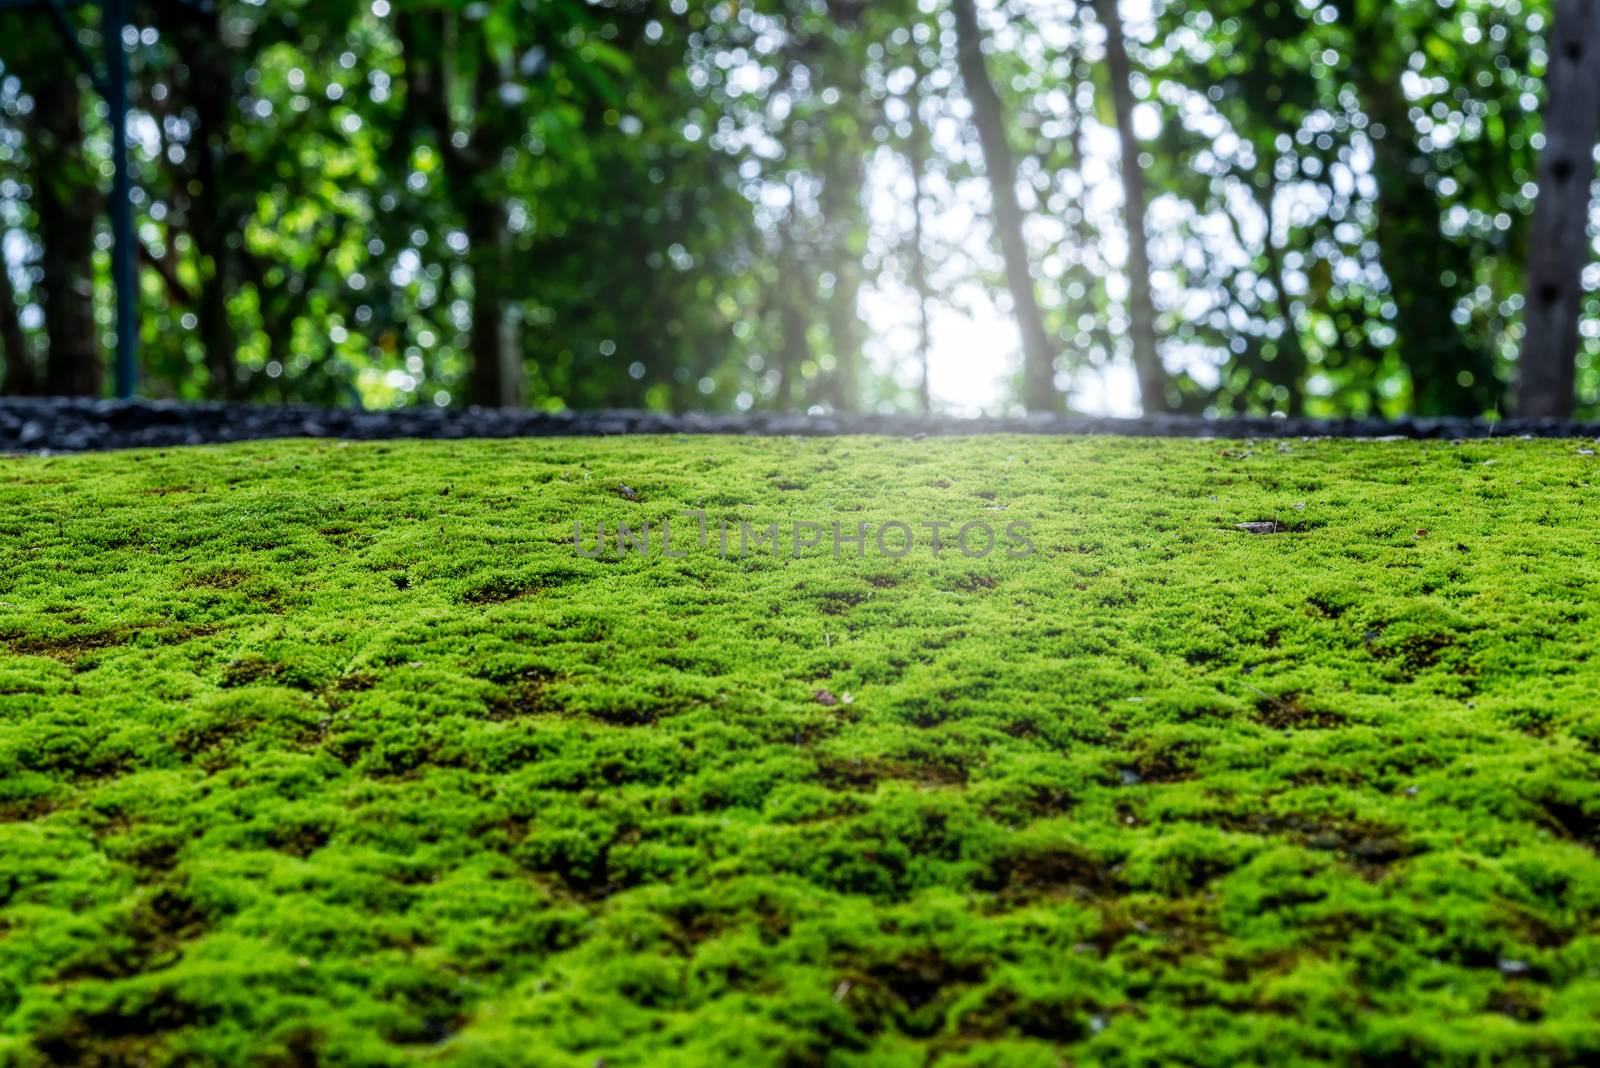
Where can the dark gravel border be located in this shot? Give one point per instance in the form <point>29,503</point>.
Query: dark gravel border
<point>70,424</point>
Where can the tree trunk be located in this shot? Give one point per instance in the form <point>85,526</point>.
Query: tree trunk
<point>66,204</point>
<point>1141,307</point>
<point>917,150</point>
<point>1559,242</point>
<point>1416,259</point>
<point>794,296</point>
<point>496,359</point>
<point>426,38</point>
<point>1291,353</point>
<point>1039,392</point>
<point>211,227</point>
<point>842,209</point>
<point>844,331</point>
<point>20,380</point>
<point>1415,254</point>
<point>496,351</point>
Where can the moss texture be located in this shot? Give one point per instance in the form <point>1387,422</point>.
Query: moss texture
<point>340,754</point>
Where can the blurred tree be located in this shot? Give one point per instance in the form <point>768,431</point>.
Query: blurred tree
<point>916,149</point>
<point>20,379</point>
<point>207,88</point>
<point>773,203</point>
<point>1426,277</point>
<point>1039,393</point>
<point>1152,377</point>
<point>458,66</point>
<point>65,202</point>
<point>1261,96</point>
<point>1560,244</point>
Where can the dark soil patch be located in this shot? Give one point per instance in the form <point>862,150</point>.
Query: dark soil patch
<point>1026,874</point>
<point>1287,712</point>
<point>839,602</point>
<point>65,647</point>
<point>845,774</point>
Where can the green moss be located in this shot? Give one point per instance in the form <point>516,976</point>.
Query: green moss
<point>342,754</point>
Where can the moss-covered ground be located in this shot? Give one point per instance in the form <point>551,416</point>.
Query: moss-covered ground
<point>334,754</point>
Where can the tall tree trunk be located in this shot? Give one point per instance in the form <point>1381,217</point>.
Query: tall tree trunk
<point>496,355</point>
<point>794,297</point>
<point>20,381</point>
<point>1449,375</point>
<point>1141,307</point>
<point>844,179</point>
<point>917,150</point>
<point>211,94</point>
<point>496,348</point>
<point>1416,258</point>
<point>427,38</point>
<point>1291,353</point>
<point>1082,237</point>
<point>1559,243</point>
<point>66,204</point>
<point>842,210</point>
<point>1039,393</point>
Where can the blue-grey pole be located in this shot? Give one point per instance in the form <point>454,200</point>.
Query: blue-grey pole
<point>114,20</point>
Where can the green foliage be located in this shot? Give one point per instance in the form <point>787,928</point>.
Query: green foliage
<point>670,205</point>
<point>342,754</point>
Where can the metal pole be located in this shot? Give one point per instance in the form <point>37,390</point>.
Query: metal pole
<point>113,21</point>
